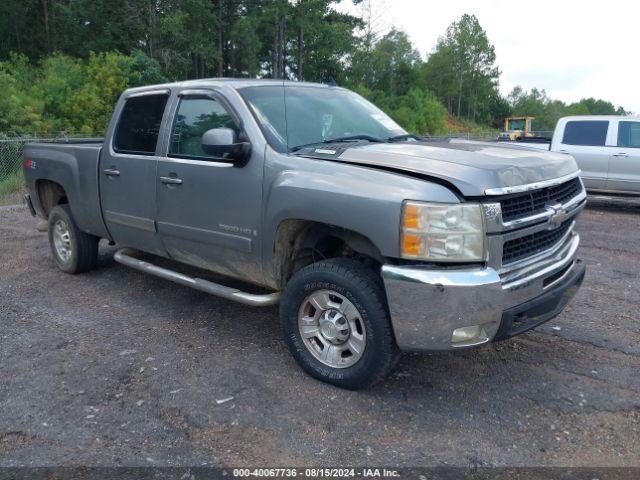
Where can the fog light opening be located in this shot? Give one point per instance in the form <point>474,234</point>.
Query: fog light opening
<point>469,336</point>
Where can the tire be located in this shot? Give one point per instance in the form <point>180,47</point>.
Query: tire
<point>339,284</point>
<point>73,250</point>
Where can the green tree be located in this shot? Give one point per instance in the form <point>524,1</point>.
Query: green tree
<point>320,40</point>
<point>392,65</point>
<point>20,112</point>
<point>547,111</point>
<point>184,44</point>
<point>462,72</point>
<point>244,48</point>
<point>65,94</point>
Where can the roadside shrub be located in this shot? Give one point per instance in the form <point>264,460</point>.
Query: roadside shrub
<point>19,110</point>
<point>419,111</point>
<point>64,94</point>
<point>11,184</point>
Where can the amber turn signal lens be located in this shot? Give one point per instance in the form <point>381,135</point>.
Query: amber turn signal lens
<point>410,245</point>
<point>411,217</point>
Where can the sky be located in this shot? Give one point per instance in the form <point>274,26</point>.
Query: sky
<point>571,49</point>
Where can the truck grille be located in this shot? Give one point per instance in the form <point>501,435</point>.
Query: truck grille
<point>530,203</point>
<point>530,245</point>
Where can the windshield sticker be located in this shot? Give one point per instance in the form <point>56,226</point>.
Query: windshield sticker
<point>385,121</point>
<point>324,151</point>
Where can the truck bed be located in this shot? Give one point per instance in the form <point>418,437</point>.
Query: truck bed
<point>73,164</point>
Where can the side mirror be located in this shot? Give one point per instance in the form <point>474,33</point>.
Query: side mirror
<point>222,143</point>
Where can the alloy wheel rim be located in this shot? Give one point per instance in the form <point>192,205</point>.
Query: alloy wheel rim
<point>62,240</point>
<point>332,329</point>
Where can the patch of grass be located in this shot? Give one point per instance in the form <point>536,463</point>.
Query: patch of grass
<point>11,187</point>
<point>463,126</point>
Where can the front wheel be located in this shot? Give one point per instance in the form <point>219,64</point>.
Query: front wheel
<point>336,323</point>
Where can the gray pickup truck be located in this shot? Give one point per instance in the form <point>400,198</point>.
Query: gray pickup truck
<point>371,239</point>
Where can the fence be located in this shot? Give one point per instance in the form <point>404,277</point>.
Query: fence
<point>10,157</point>
<point>480,136</point>
<point>11,181</point>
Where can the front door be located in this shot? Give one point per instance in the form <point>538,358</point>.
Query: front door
<point>128,172</point>
<point>209,210</point>
<point>585,140</point>
<point>624,165</point>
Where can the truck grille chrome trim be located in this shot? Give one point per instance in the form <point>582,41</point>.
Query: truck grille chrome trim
<point>547,212</point>
<point>530,252</point>
<point>494,214</point>
<point>530,186</point>
<point>557,262</point>
<point>528,204</point>
<point>534,244</point>
<point>536,259</point>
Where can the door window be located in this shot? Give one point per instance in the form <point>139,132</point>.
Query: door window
<point>629,134</point>
<point>194,117</point>
<point>591,133</point>
<point>139,125</point>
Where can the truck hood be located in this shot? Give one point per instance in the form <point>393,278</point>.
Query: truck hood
<point>472,167</point>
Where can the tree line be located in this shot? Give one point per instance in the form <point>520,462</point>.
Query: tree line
<point>188,38</point>
<point>547,111</point>
<point>64,62</point>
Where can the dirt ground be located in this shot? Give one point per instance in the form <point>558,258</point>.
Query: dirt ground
<point>115,367</point>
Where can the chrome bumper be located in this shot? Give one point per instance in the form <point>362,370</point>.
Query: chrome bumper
<point>427,305</point>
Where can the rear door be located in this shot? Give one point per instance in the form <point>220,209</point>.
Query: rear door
<point>208,209</point>
<point>624,163</point>
<point>585,140</point>
<point>128,171</point>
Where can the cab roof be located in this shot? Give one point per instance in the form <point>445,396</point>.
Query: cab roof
<point>228,82</point>
<point>601,117</point>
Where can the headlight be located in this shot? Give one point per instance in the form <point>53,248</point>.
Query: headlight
<point>442,232</point>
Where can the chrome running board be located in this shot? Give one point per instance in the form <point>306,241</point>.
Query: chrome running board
<point>124,257</point>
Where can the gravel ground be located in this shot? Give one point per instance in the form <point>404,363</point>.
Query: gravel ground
<point>114,367</point>
<point>11,198</point>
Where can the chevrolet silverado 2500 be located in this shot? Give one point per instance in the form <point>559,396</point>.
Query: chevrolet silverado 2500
<point>372,240</point>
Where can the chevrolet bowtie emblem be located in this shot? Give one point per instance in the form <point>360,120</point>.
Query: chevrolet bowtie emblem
<point>558,216</point>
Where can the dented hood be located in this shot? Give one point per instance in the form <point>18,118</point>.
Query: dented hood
<point>472,167</point>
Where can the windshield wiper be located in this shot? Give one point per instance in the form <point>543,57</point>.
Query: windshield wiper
<point>349,138</point>
<point>406,136</point>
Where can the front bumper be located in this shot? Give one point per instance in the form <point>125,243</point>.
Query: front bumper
<point>427,305</point>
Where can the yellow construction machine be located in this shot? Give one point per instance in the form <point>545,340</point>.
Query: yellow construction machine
<point>517,128</point>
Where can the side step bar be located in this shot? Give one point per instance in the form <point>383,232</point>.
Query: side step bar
<point>124,257</point>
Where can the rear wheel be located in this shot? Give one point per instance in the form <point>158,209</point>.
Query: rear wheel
<point>336,323</point>
<point>74,251</point>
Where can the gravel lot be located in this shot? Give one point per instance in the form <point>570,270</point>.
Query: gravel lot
<point>115,367</point>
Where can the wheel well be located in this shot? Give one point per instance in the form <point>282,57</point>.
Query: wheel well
<point>50,194</point>
<point>302,242</point>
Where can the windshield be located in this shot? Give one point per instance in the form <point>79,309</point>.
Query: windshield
<point>293,117</point>
<point>516,125</point>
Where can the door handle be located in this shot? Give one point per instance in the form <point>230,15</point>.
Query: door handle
<point>563,151</point>
<point>171,180</point>
<point>111,172</point>
<point>621,155</point>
